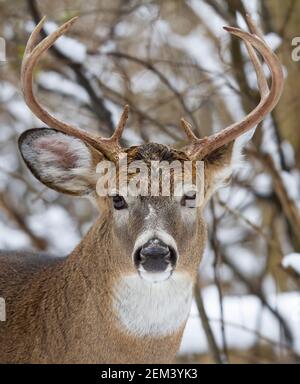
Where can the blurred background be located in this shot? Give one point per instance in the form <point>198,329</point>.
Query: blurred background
<point>171,59</point>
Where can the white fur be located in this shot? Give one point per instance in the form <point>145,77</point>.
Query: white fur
<point>155,277</point>
<point>189,215</point>
<point>152,213</point>
<point>236,162</point>
<point>158,309</point>
<point>121,217</point>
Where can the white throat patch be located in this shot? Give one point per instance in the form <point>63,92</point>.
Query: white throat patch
<point>157,309</point>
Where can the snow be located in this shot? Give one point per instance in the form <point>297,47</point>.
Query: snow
<point>14,103</point>
<point>71,48</point>
<point>263,183</point>
<point>144,81</point>
<point>248,265</point>
<point>53,81</point>
<point>292,261</point>
<point>147,12</point>
<point>288,152</point>
<point>269,144</point>
<point>244,317</point>
<point>12,238</point>
<point>209,60</point>
<point>204,54</point>
<point>124,29</point>
<point>53,224</point>
<point>18,109</point>
<point>273,40</point>
<point>206,13</point>
<point>57,226</point>
<point>6,91</point>
<point>252,8</point>
<point>291,181</point>
<point>226,235</point>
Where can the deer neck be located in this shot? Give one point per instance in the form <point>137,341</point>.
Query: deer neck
<point>129,295</point>
<point>134,311</point>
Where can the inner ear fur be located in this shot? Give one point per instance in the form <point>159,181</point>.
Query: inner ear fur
<point>218,168</point>
<point>59,174</point>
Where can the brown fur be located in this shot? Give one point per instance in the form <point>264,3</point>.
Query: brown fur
<point>59,310</point>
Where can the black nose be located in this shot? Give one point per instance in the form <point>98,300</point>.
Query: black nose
<point>155,256</point>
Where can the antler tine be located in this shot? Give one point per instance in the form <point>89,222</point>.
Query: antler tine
<point>253,27</point>
<point>269,98</point>
<point>31,43</point>
<point>187,127</point>
<point>108,146</point>
<point>121,125</point>
<point>261,78</point>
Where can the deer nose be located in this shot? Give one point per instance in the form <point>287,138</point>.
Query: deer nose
<point>155,255</point>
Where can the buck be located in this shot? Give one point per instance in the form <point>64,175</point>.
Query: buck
<point>124,294</point>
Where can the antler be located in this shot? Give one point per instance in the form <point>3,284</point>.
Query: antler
<point>199,148</point>
<point>110,147</point>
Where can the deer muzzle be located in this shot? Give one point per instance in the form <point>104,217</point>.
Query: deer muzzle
<point>155,256</point>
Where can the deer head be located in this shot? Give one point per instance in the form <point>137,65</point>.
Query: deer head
<point>153,235</point>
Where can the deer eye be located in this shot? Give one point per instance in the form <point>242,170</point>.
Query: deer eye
<point>189,199</point>
<point>119,202</point>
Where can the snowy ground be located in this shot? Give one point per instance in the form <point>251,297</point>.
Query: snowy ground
<point>244,319</point>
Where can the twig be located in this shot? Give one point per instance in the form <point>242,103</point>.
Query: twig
<point>162,78</point>
<point>257,291</point>
<point>288,205</point>
<point>258,334</point>
<point>253,226</point>
<point>98,106</point>
<point>216,265</point>
<point>206,326</point>
<point>38,242</point>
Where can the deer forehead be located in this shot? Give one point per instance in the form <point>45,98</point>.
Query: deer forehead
<point>151,162</point>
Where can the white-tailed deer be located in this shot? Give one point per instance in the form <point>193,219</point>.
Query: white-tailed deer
<point>124,294</point>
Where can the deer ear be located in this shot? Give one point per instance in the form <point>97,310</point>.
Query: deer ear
<point>219,165</point>
<point>61,162</point>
